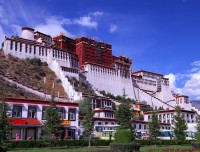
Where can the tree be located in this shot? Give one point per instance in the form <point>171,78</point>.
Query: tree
<point>85,109</point>
<point>198,128</point>
<point>154,127</point>
<point>124,115</point>
<point>179,125</point>
<point>5,127</point>
<point>52,122</point>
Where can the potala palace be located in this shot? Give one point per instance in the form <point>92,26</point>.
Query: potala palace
<point>92,62</point>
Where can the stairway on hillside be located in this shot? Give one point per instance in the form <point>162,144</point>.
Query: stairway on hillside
<point>68,87</point>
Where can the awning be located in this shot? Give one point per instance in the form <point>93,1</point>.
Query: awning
<point>26,122</point>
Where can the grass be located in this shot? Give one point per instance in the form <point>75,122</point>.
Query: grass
<point>29,72</point>
<point>94,148</point>
<point>146,148</point>
<point>62,149</point>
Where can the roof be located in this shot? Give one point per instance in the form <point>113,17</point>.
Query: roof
<point>39,102</point>
<point>166,111</point>
<point>26,121</point>
<point>27,28</point>
<point>147,72</point>
<point>102,66</point>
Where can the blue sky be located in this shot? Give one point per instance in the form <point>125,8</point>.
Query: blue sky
<point>158,35</point>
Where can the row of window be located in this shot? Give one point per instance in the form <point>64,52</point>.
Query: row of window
<point>69,70</point>
<point>28,48</point>
<point>164,116</point>
<point>32,112</point>
<point>146,83</point>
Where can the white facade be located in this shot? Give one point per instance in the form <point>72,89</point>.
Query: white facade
<point>109,80</point>
<point>167,116</point>
<point>20,110</point>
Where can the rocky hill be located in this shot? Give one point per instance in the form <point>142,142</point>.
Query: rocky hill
<point>30,73</point>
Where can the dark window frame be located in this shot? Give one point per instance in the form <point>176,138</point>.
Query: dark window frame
<point>74,112</point>
<point>35,111</point>
<point>19,106</point>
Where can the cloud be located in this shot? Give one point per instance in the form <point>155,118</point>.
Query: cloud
<point>53,26</point>
<point>16,29</point>
<point>2,35</point>
<point>172,82</point>
<point>97,13</point>
<point>191,86</point>
<point>113,28</point>
<point>86,21</point>
<point>196,63</point>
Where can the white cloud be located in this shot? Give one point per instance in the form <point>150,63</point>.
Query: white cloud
<point>2,35</point>
<point>97,13</point>
<point>113,28</point>
<point>86,21</point>
<point>3,15</point>
<point>16,29</point>
<point>191,86</point>
<point>196,63</point>
<point>53,26</point>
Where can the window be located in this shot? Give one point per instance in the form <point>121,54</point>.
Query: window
<point>99,123</point>
<point>32,111</point>
<point>144,127</point>
<point>167,115</point>
<point>61,111</point>
<point>72,114</point>
<point>17,111</point>
<point>43,112</point>
<point>163,116</point>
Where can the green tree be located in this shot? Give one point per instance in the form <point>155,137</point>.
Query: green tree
<point>179,125</point>
<point>5,127</point>
<point>198,128</point>
<point>85,109</point>
<point>154,127</point>
<point>124,115</point>
<point>52,122</point>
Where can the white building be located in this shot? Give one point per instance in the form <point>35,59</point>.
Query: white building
<point>27,117</point>
<point>167,116</point>
<point>104,115</point>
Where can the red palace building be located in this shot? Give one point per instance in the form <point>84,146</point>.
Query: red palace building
<point>64,42</point>
<point>91,51</point>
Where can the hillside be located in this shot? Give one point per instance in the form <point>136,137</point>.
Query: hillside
<point>196,103</point>
<point>29,72</point>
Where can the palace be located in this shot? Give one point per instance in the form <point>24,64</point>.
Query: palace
<point>92,62</point>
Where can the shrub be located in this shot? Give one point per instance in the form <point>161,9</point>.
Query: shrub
<point>198,136</point>
<point>55,143</point>
<point>3,149</point>
<point>195,144</point>
<point>100,142</point>
<point>129,147</point>
<point>123,136</point>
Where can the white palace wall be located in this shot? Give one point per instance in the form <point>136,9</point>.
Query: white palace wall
<point>109,80</point>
